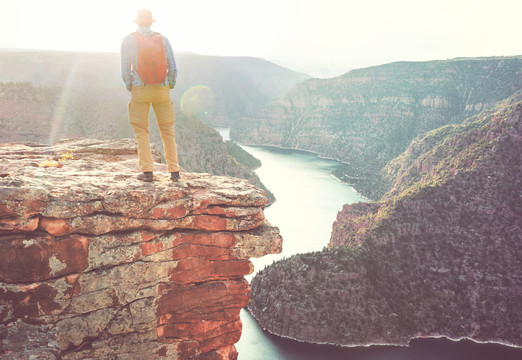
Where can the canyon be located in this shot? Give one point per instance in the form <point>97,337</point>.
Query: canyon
<point>369,116</point>
<point>438,256</point>
<point>96,264</point>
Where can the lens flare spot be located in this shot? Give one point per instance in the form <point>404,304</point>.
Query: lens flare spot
<point>198,101</point>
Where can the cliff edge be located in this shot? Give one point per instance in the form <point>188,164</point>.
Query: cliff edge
<point>96,264</point>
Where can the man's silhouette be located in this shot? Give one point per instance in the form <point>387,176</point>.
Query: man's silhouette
<point>149,71</point>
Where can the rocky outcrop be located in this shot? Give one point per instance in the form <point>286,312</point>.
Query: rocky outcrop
<point>106,266</point>
<point>438,256</point>
<point>369,116</point>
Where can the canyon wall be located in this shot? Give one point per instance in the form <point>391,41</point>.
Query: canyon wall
<point>439,255</point>
<point>96,264</point>
<point>369,116</point>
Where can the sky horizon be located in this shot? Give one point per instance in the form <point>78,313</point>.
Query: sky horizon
<point>304,35</point>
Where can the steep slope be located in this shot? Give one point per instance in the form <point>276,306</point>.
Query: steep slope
<point>103,266</point>
<point>440,255</point>
<point>201,149</point>
<point>369,116</point>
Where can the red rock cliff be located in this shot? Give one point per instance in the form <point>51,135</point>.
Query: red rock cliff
<point>110,267</point>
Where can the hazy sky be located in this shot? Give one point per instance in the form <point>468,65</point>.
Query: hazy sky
<point>329,33</point>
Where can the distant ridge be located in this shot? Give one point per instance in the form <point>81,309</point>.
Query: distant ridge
<point>237,84</point>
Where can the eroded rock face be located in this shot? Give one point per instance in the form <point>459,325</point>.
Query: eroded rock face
<point>118,268</point>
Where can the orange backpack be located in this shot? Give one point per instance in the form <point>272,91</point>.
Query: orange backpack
<point>152,62</point>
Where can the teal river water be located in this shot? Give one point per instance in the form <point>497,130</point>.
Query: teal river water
<point>308,199</point>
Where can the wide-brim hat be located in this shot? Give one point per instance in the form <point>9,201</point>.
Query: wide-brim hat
<point>144,16</point>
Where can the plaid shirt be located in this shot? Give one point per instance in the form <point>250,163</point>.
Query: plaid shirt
<point>129,60</point>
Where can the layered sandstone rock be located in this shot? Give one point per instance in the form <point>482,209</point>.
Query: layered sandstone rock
<point>111,267</point>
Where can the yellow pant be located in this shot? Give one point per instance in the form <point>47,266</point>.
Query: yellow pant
<point>159,97</point>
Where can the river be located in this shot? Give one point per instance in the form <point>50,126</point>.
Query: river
<point>308,199</point>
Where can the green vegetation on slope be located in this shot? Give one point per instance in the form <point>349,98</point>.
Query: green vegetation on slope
<point>242,156</point>
<point>439,255</point>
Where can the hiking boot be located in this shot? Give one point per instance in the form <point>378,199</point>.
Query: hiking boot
<point>146,176</point>
<point>174,176</point>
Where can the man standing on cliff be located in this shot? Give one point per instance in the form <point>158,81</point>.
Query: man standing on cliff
<point>149,71</point>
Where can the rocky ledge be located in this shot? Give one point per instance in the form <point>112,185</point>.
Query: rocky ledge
<point>96,264</point>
